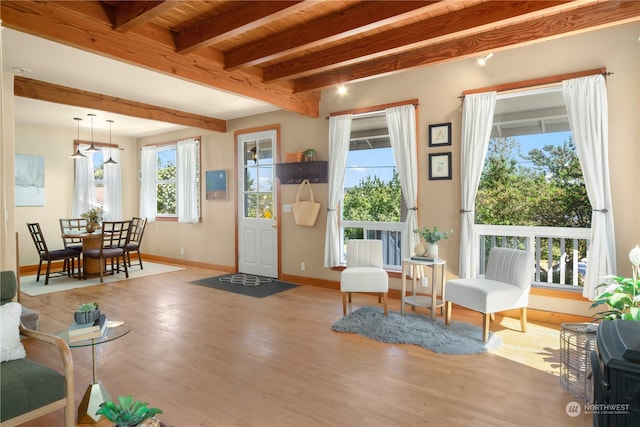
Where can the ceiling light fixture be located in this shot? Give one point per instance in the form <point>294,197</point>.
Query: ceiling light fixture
<point>110,161</point>
<point>92,148</point>
<point>342,90</point>
<point>483,60</point>
<point>78,154</point>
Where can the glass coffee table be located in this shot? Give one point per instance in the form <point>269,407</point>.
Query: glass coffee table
<point>96,393</point>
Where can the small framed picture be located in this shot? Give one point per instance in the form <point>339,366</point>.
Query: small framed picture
<point>439,134</point>
<point>439,166</point>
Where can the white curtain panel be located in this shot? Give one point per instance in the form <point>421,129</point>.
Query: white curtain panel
<point>148,183</point>
<point>112,186</point>
<point>339,135</point>
<point>84,185</point>
<point>477,120</point>
<point>401,122</point>
<point>586,100</point>
<point>187,181</point>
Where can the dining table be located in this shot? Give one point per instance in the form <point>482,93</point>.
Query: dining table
<point>89,241</point>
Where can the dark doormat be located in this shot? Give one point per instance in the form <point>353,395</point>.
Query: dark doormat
<point>246,284</point>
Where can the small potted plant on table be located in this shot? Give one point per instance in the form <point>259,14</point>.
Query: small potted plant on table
<point>431,237</point>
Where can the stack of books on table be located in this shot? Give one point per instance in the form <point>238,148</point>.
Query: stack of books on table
<point>423,258</point>
<point>85,331</point>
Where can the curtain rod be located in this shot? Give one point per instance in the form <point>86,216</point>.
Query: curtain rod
<point>374,108</point>
<point>524,84</point>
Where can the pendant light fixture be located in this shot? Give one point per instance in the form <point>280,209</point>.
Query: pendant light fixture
<point>110,161</point>
<point>78,154</point>
<point>92,148</point>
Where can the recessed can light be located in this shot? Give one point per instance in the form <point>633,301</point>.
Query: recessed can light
<point>21,70</point>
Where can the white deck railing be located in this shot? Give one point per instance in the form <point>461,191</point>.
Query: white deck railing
<point>559,251</point>
<point>391,234</point>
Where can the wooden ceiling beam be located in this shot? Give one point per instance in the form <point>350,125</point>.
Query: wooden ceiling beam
<point>246,17</point>
<point>600,15</point>
<point>354,20</point>
<point>481,17</point>
<point>43,91</point>
<point>54,21</point>
<point>130,14</point>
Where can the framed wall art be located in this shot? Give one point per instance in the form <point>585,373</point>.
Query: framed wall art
<point>216,185</point>
<point>29,180</point>
<point>439,166</point>
<point>439,134</point>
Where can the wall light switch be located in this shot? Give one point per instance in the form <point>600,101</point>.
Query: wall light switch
<point>286,208</point>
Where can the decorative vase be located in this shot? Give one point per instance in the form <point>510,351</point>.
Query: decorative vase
<point>92,226</point>
<point>86,316</point>
<point>420,249</point>
<point>432,250</point>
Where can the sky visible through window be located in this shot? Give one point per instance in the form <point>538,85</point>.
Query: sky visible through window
<point>379,161</point>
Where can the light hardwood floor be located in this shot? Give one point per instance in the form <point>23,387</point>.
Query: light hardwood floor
<point>213,358</point>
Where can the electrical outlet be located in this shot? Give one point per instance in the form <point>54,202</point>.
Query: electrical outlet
<point>424,282</point>
<point>302,266</point>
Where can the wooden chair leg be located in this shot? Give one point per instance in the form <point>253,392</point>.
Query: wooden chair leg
<point>379,297</point>
<point>523,319</point>
<point>493,317</point>
<point>344,303</point>
<point>39,268</point>
<point>485,326</point>
<point>139,259</point>
<point>384,299</point>
<point>447,312</point>
<point>349,297</point>
<point>46,278</point>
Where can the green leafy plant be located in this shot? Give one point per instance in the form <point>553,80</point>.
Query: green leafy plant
<point>127,412</point>
<point>431,236</point>
<point>86,307</point>
<point>623,295</point>
<point>93,215</point>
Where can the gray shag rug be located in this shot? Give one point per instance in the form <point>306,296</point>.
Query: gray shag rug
<point>418,329</point>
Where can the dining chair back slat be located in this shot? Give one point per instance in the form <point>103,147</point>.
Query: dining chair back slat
<point>71,226</point>
<point>115,236</point>
<point>135,239</point>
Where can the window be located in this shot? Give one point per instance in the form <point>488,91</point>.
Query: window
<point>372,205</point>
<point>170,175</point>
<point>532,186</point>
<point>98,175</point>
<point>166,181</point>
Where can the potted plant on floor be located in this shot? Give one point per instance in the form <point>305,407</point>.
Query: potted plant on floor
<point>128,412</point>
<point>623,295</point>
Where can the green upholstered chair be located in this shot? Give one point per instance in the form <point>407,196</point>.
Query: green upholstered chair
<point>30,389</point>
<point>8,292</point>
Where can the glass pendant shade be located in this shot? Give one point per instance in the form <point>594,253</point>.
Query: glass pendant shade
<point>110,161</point>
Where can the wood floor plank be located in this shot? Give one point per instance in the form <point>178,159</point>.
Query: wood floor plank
<point>213,358</point>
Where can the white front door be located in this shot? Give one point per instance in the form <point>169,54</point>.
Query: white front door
<point>257,225</point>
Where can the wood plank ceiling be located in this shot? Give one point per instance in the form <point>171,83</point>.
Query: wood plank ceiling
<point>285,52</point>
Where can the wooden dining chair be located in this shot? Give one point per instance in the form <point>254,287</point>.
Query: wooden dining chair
<point>70,226</point>
<point>135,239</point>
<point>68,256</point>
<point>115,236</point>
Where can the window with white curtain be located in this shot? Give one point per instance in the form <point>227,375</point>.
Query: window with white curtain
<point>170,176</point>
<point>532,178</point>
<point>372,205</point>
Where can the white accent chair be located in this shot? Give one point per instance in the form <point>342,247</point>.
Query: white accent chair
<point>506,285</point>
<point>364,272</point>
